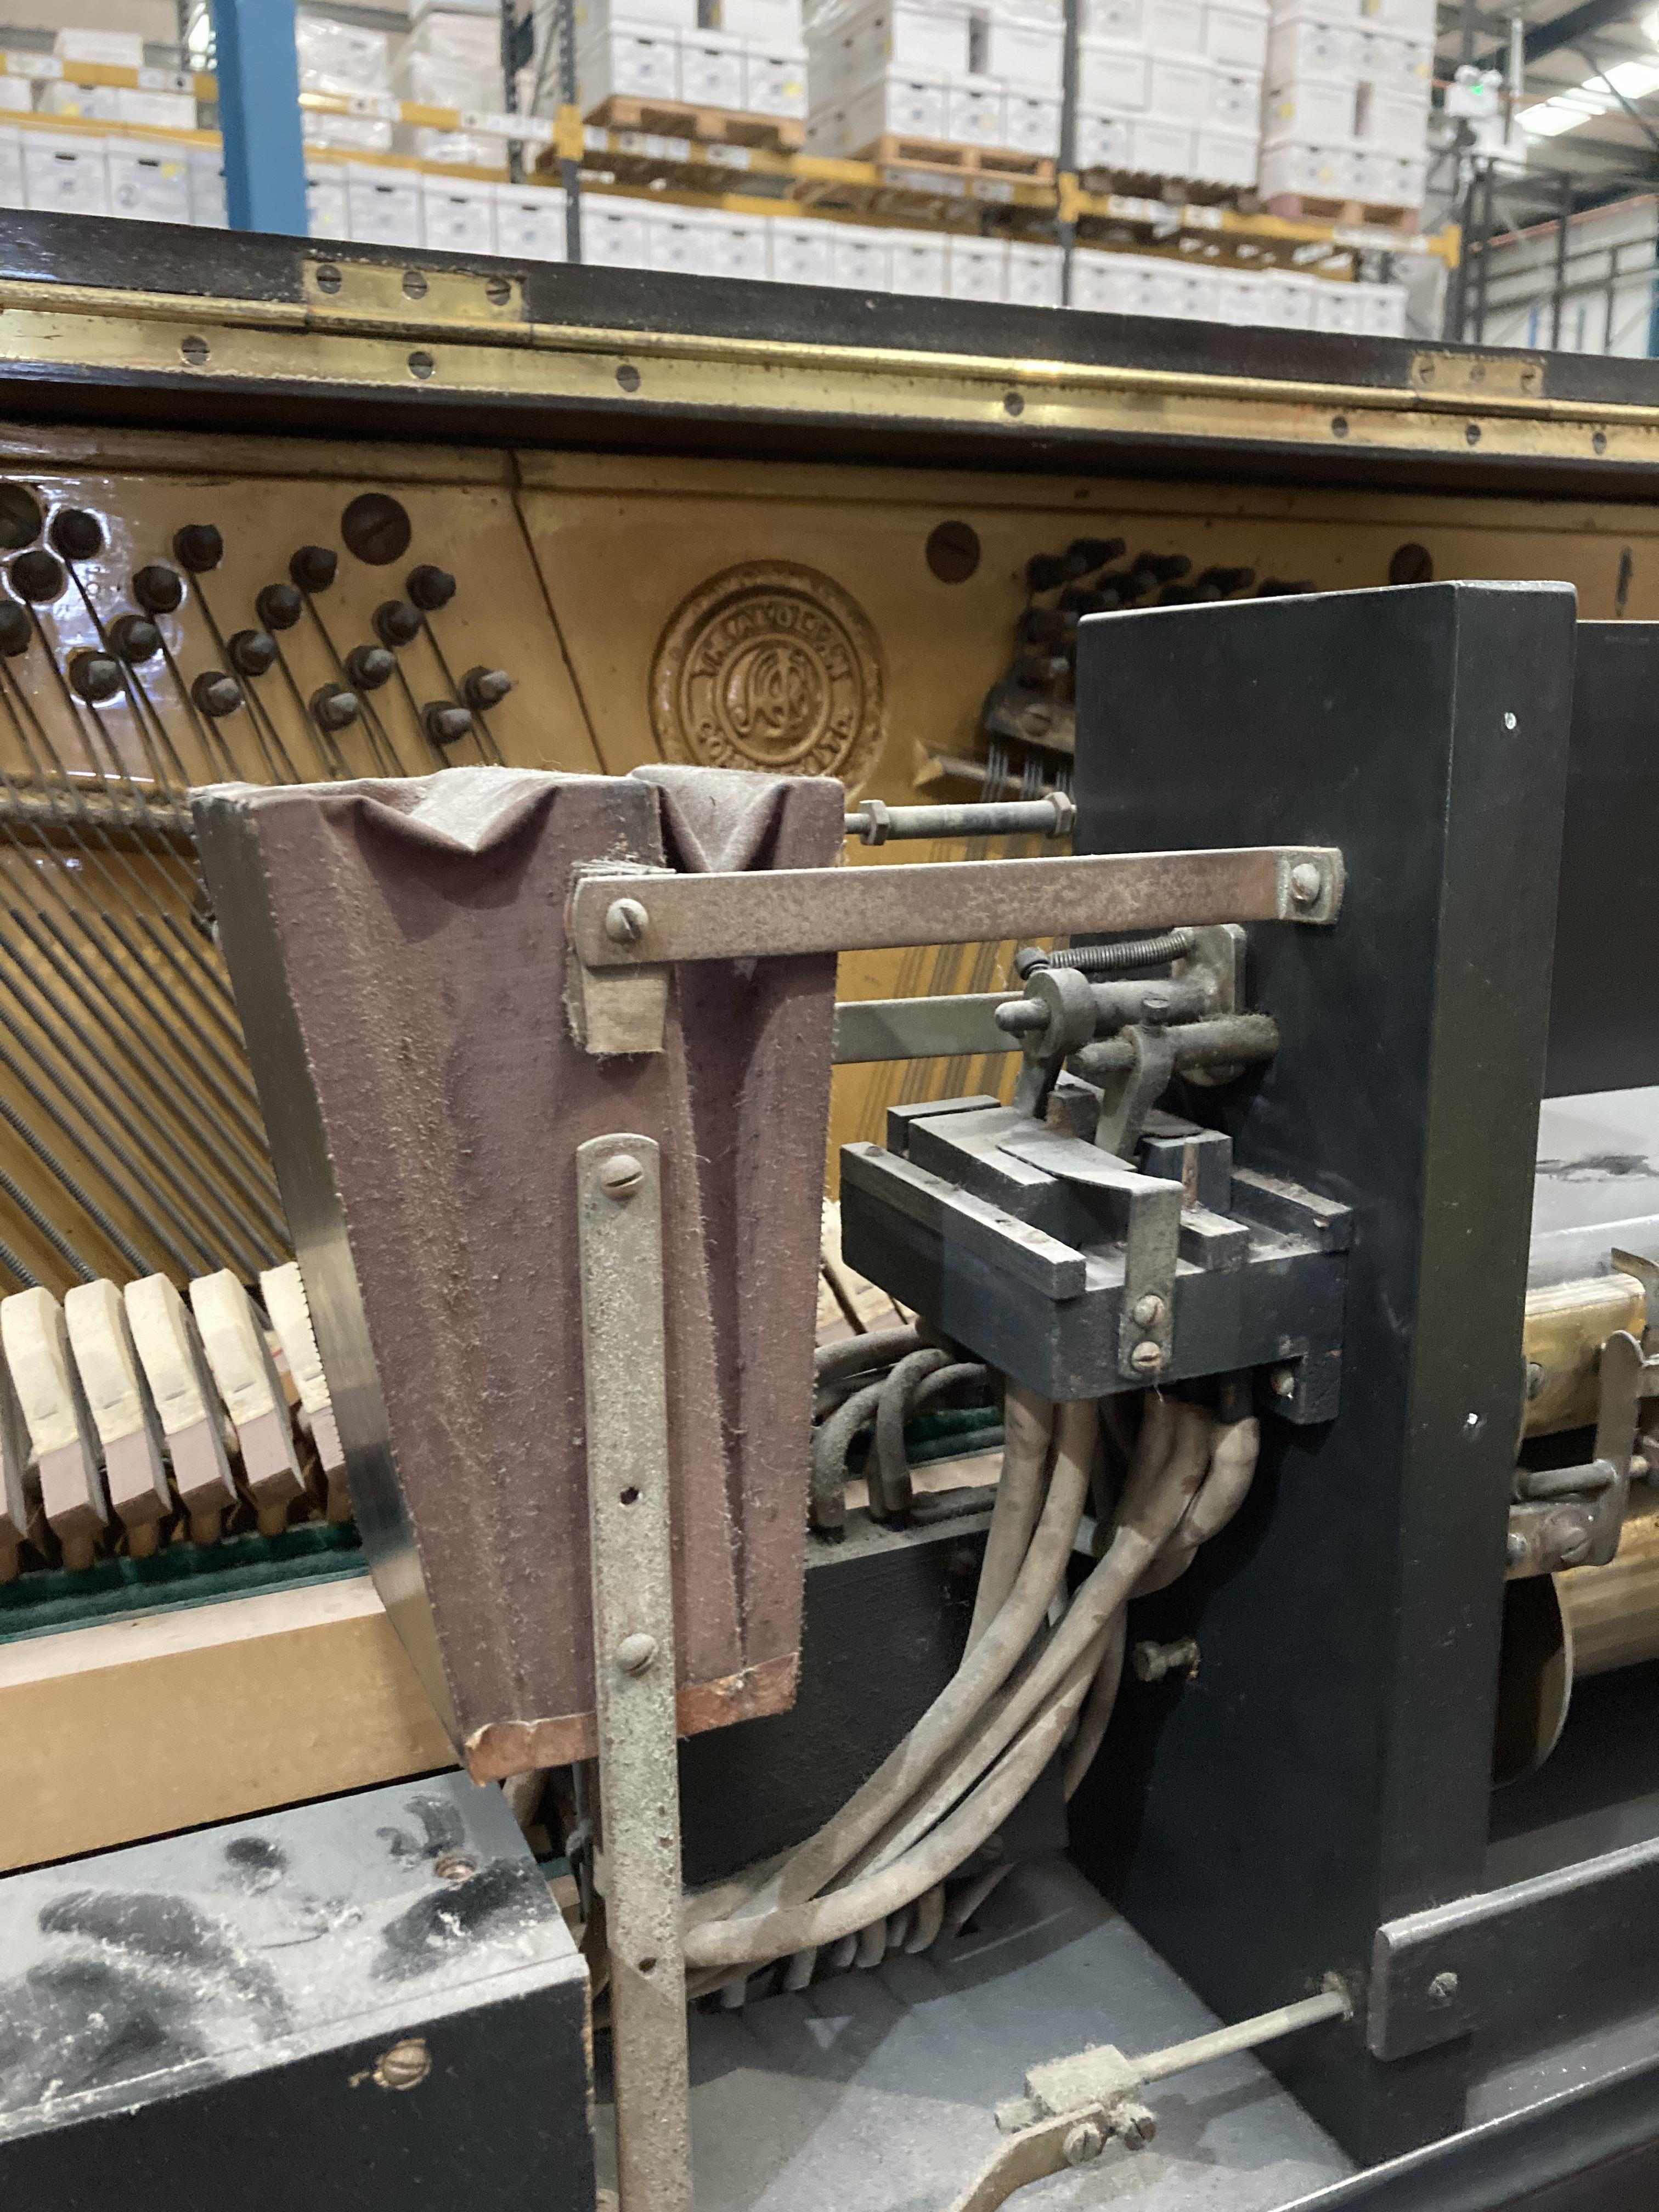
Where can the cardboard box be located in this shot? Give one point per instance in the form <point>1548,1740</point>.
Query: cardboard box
<point>1235,102</point>
<point>149,181</point>
<point>326,212</point>
<point>1123,20</point>
<point>774,81</point>
<point>761,22</point>
<point>976,268</point>
<point>1031,123</point>
<point>1181,87</point>
<point>1033,274</point>
<point>639,60</point>
<point>919,263</point>
<point>1312,113</point>
<point>615,234</point>
<point>1161,149</point>
<point>1321,43</point>
<point>529,222</point>
<point>458,217</point>
<point>1295,165</point>
<point>861,259</point>
<point>797,251</point>
<point>13,192</point>
<point>1020,52</point>
<point>919,38</point>
<point>711,69</point>
<point>976,113</point>
<point>735,245</point>
<point>1176,27</point>
<point>206,165</point>
<point>1222,156</point>
<point>893,106</point>
<point>104,49</point>
<point>66,172</point>
<point>597,19</point>
<point>1112,79</point>
<point>1103,142</point>
<point>1236,32</point>
<point>1393,118</point>
<point>383,206</point>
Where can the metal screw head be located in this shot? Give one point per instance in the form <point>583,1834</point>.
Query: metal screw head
<point>1515,1548</point>
<point>1082,2143</point>
<point>1307,882</point>
<point>1149,1310</point>
<point>621,1176</point>
<point>1283,1380</point>
<point>405,2066</point>
<point>454,1866</point>
<point>636,1653</point>
<point>625,921</point>
<point>1442,1989</point>
<point>1146,1358</point>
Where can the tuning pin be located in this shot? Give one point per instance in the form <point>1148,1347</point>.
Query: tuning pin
<point>397,622</point>
<point>76,534</point>
<point>279,606</point>
<point>216,693</point>
<point>334,707</point>
<point>158,589</point>
<point>369,667</point>
<point>484,688</point>
<point>1162,567</point>
<point>134,638</point>
<point>94,677</point>
<point>1223,582</point>
<point>313,568</point>
<point>1095,552</point>
<point>430,588</point>
<point>1045,571</point>
<point>446,725</point>
<point>252,651</point>
<point>199,547</point>
<point>37,578</point>
<point>16,630</point>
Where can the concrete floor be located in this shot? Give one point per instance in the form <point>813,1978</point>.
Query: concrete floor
<point>873,2092</point>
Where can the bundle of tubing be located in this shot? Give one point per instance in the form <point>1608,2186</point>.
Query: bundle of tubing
<point>872,1878</point>
<point>852,1397</point>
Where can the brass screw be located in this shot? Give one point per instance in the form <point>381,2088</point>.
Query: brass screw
<point>636,1653</point>
<point>625,921</point>
<point>405,2066</point>
<point>621,1175</point>
<point>1146,1358</point>
<point>454,1866</point>
<point>1149,1310</point>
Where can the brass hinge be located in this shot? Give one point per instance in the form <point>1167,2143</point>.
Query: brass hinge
<point>1478,375</point>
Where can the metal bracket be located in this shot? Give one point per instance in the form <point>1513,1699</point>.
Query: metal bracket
<point>616,1010</point>
<point>1574,1516</point>
<point>1148,1211</point>
<point>619,1220</point>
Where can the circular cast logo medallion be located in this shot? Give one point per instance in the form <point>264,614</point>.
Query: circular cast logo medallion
<point>771,666</point>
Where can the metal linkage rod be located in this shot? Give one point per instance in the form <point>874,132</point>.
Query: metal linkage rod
<point>875,823</point>
<point>1110,959</point>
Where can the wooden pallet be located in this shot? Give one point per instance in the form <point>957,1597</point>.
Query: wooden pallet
<point>938,156</point>
<point>1352,215</point>
<point>710,126</point>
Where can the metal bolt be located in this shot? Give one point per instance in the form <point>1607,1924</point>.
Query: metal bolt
<point>621,1175</point>
<point>1146,1358</point>
<point>1534,1379</point>
<point>1514,1549</point>
<point>1307,882</point>
<point>405,2066</point>
<point>1442,1989</point>
<point>625,921</point>
<point>1282,1380</point>
<point>1149,1310</point>
<point>1082,2143</point>
<point>454,1866</point>
<point>636,1653</point>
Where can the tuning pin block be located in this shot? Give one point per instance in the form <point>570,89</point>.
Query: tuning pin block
<point>94,677</point>
<point>158,589</point>
<point>215,694</point>
<point>37,578</point>
<point>252,651</point>
<point>368,666</point>
<point>134,639</point>
<point>445,723</point>
<point>313,568</point>
<point>279,606</point>
<point>397,622</point>
<point>199,547</point>
<point>334,707</point>
<point>77,535</point>
<point>429,588</point>
<point>37,1350</point>
<point>484,688</point>
<point>123,1411</point>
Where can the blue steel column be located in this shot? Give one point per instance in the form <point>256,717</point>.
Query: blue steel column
<point>259,72</point>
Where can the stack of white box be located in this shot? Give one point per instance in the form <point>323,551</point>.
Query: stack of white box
<point>1346,110</point>
<point>1172,89</point>
<point>452,59</point>
<point>106,103</point>
<point>966,75</point>
<point>737,57</point>
<point>1197,291</point>
<point>341,59</point>
<point>619,232</point>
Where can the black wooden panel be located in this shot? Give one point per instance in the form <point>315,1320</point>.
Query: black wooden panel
<point>1327,1770</point>
<point>1604,1010</point>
